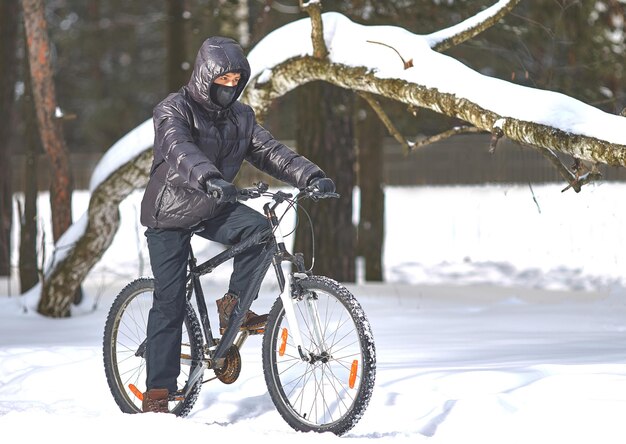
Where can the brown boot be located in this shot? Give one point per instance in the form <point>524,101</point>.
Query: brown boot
<point>251,320</point>
<point>155,400</point>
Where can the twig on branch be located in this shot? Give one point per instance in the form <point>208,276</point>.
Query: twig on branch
<point>445,135</point>
<point>562,169</point>
<point>574,180</point>
<point>407,63</point>
<point>577,184</point>
<point>407,145</point>
<point>314,9</point>
<point>470,28</point>
<point>583,174</point>
<point>375,104</point>
<point>496,135</point>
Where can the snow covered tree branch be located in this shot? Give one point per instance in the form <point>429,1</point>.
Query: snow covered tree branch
<point>539,118</point>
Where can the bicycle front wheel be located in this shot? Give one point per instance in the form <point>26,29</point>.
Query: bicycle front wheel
<point>328,390</point>
<point>124,346</point>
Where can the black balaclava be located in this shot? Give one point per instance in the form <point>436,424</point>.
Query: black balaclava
<point>223,95</point>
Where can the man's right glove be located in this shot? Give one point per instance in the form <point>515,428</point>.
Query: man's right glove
<point>222,190</point>
<point>323,184</point>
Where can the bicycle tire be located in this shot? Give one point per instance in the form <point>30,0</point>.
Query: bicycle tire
<point>317,396</point>
<point>125,330</point>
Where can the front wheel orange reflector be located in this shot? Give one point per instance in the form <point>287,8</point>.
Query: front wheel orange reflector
<point>353,371</point>
<point>283,342</point>
<point>135,391</point>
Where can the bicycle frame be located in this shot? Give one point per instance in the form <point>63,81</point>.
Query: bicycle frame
<point>278,255</point>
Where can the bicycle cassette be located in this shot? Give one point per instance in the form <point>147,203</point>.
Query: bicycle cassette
<point>232,366</point>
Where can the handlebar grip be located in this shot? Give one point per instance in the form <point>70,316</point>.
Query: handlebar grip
<point>317,194</point>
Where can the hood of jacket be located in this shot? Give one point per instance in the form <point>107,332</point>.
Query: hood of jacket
<point>217,56</point>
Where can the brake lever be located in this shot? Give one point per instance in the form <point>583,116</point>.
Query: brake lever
<point>245,194</point>
<point>315,195</point>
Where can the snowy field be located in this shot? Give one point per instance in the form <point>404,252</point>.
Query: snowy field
<point>503,320</point>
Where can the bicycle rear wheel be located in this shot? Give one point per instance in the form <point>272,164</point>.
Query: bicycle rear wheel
<point>329,391</point>
<point>124,348</point>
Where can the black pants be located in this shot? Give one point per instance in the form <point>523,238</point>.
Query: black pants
<point>169,255</point>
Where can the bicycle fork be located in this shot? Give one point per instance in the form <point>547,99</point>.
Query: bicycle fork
<point>288,303</point>
<point>285,280</point>
<point>310,308</point>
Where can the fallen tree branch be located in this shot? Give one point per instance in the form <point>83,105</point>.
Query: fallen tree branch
<point>298,71</point>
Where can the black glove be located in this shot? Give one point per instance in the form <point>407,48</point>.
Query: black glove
<point>222,190</point>
<point>323,184</point>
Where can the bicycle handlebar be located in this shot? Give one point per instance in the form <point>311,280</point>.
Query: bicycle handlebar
<point>260,188</point>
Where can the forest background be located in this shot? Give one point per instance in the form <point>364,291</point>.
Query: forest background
<point>114,60</point>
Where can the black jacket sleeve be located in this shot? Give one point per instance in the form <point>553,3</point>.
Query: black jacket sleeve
<point>173,141</point>
<point>280,161</point>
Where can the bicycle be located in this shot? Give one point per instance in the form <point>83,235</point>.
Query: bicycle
<point>318,351</point>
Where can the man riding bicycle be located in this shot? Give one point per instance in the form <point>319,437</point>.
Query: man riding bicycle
<point>202,136</point>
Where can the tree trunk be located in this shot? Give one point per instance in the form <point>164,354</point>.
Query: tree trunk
<point>8,73</point>
<point>325,136</point>
<point>177,75</point>
<point>371,228</point>
<point>29,273</point>
<point>50,127</point>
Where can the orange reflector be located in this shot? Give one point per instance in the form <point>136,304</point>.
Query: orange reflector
<point>353,370</point>
<point>135,391</point>
<point>283,342</point>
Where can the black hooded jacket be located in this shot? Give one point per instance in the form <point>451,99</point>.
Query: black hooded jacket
<point>196,139</point>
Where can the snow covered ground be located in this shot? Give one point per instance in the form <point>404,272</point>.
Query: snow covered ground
<point>503,319</point>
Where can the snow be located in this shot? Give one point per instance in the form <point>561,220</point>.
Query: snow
<point>502,320</point>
